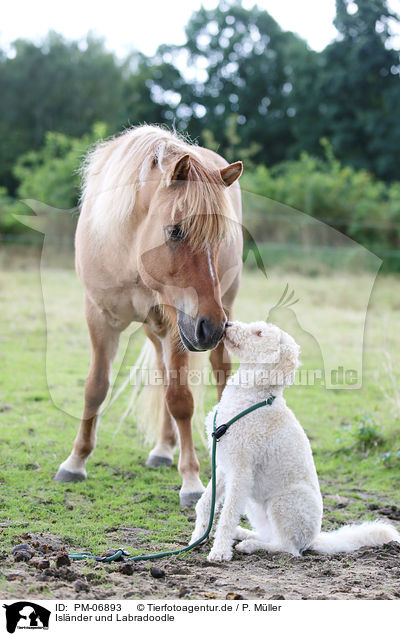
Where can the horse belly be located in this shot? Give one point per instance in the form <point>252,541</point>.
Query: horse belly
<point>121,306</point>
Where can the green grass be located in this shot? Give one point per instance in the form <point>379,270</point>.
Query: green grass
<point>120,492</point>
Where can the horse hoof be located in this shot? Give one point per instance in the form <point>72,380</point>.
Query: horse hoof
<point>189,499</point>
<point>66,476</point>
<point>155,461</point>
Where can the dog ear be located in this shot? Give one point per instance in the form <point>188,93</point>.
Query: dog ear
<point>284,370</point>
<point>288,362</point>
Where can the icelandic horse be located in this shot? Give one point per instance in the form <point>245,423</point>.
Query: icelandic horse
<point>159,242</point>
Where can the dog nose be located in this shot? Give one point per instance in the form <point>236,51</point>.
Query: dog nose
<point>207,334</point>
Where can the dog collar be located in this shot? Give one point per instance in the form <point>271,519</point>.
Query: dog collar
<point>221,430</point>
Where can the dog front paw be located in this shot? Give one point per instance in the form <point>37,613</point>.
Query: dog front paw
<point>217,556</point>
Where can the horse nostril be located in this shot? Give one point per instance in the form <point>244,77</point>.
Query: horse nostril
<point>208,334</point>
<point>202,331</point>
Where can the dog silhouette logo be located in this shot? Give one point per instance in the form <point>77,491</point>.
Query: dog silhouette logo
<point>26,615</point>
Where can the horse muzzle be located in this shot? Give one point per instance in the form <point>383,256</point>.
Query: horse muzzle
<point>200,334</point>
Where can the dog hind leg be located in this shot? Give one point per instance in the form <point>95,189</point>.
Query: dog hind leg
<point>243,533</point>
<point>257,516</point>
<point>250,545</point>
<point>295,519</point>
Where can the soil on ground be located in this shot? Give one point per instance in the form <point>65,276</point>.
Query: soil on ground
<point>44,572</point>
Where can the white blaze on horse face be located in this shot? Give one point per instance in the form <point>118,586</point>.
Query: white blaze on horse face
<point>211,266</point>
<point>185,299</point>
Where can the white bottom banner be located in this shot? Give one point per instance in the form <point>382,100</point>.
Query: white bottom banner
<point>174,617</point>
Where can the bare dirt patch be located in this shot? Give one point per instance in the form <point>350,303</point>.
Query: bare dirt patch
<point>369,573</point>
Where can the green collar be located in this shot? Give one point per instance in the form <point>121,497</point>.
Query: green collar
<point>221,430</point>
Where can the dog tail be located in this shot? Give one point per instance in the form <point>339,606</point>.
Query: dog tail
<point>349,538</point>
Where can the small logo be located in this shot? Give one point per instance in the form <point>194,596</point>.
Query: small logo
<point>26,615</point>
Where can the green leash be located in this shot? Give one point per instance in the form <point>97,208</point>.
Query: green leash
<point>217,434</point>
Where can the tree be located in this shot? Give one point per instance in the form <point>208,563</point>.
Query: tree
<point>241,97</point>
<point>66,87</point>
<point>352,94</point>
<point>58,86</point>
<point>151,90</point>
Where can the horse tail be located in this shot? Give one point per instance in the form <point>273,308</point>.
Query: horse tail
<point>146,402</point>
<point>147,397</point>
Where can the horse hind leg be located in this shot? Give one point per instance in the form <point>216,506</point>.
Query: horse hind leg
<point>163,452</point>
<point>104,347</point>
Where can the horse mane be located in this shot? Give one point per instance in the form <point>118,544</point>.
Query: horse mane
<point>116,169</point>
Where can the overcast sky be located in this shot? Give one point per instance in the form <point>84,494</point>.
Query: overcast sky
<point>145,24</point>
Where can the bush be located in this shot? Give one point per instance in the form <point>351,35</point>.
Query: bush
<point>51,174</point>
<point>362,434</point>
<point>366,434</point>
<point>352,201</point>
<point>8,207</point>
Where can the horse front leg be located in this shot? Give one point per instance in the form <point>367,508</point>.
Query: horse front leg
<point>104,341</point>
<point>180,404</point>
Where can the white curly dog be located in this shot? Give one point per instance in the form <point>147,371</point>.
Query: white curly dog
<point>265,467</point>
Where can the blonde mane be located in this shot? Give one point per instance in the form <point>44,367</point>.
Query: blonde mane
<point>116,169</point>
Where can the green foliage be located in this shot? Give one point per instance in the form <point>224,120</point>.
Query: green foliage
<point>56,86</point>
<point>151,90</point>
<point>260,88</point>
<point>353,201</point>
<point>391,459</point>
<point>362,435</point>
<point>242,95</point>
<point>51,174</point>
<point>66,87</point>
<point>350,92</point>
<point>366,433</point>
<point>258,94</point>
<point>9,207</point>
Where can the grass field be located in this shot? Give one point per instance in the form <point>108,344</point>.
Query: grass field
<point>355,434</point>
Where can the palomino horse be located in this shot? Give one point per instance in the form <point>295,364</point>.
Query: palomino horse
<point>159,242</point>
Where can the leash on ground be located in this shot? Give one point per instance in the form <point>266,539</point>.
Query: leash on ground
<point>217,434</point>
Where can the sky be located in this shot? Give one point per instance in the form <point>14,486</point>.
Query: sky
<point>145,24</point>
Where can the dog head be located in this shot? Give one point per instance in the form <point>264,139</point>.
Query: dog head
<point>271,350</point>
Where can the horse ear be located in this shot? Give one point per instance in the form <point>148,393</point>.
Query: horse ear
<point>231,173</point>
<point>181,169</point>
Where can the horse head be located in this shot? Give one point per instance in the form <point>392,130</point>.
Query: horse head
<point>189,215</point>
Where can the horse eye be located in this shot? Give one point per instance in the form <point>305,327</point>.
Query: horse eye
<point>174,233</point>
